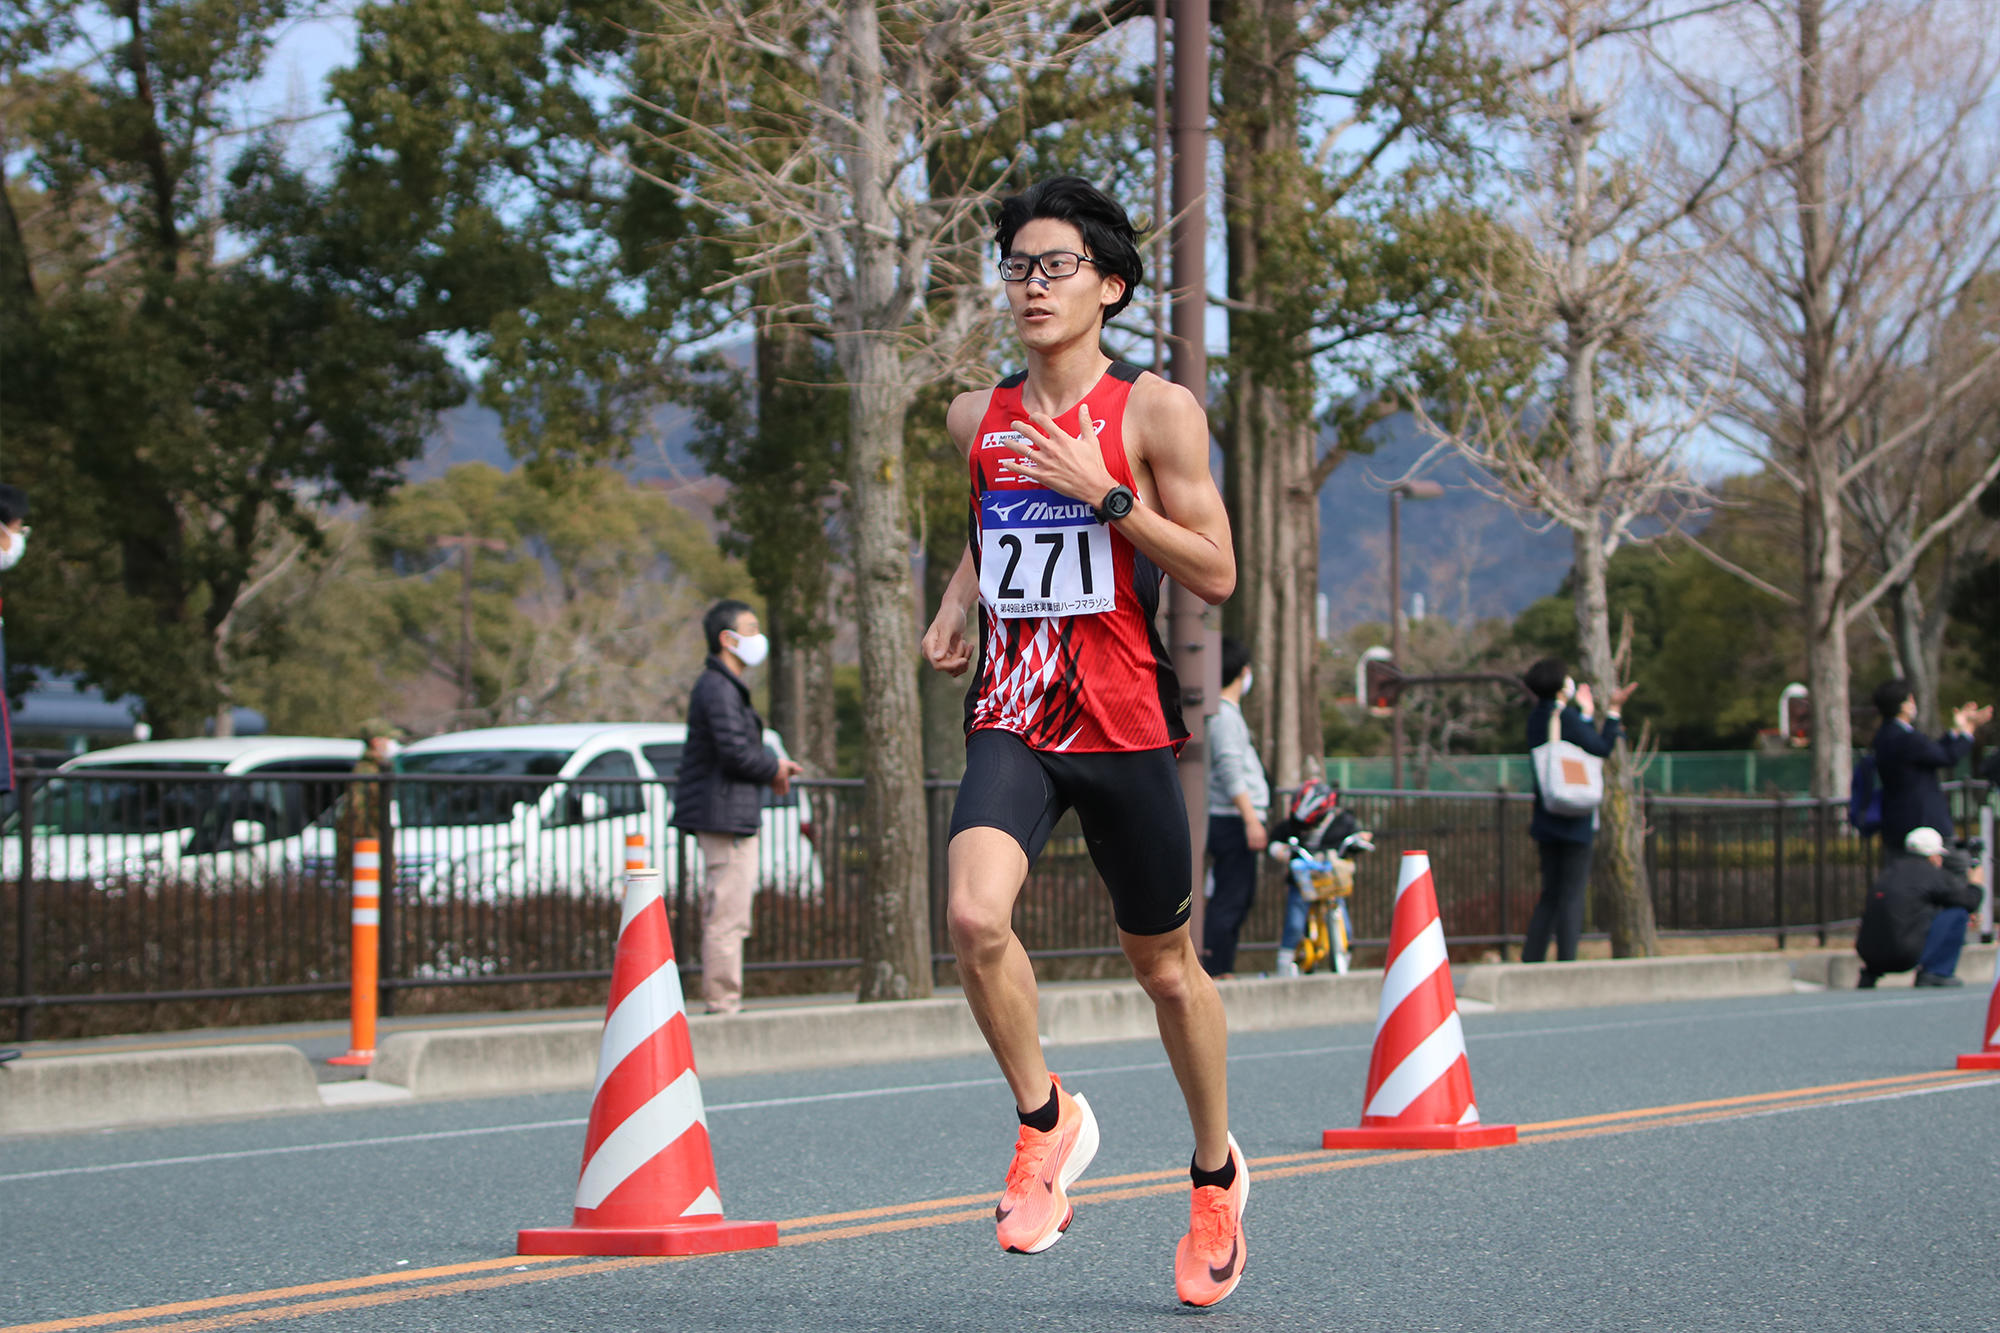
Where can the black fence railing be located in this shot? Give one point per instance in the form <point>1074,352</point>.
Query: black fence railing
<point>206,898</point>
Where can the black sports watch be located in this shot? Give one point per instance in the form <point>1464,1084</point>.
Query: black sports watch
<point>1117,503</point>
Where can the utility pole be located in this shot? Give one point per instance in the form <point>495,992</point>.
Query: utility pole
<point>1415,490</point>
<point>1194,647</point>
<point>468,698</point>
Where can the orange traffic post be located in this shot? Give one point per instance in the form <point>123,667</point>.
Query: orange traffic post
<point>635,852</point>
<point>365,968</point>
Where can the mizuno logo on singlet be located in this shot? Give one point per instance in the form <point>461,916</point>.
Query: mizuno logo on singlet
<point>1006,512</point>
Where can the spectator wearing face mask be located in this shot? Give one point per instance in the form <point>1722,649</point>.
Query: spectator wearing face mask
<point>1237,798</point>
<point>718,794</point>
<point>13,545</point>
<point>1564,841</point>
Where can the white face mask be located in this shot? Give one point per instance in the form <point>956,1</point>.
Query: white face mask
<point>1249,679</point>
<point>17,546</point>
<point>751,650</point>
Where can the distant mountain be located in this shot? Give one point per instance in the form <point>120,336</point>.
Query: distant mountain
<point>1466,555</point>
<point>470,433</point>
<point>1469,557</point>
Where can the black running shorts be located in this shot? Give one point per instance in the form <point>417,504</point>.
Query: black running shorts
<point>1129,802</point>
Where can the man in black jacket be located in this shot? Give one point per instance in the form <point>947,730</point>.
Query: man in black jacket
<point>1916,914</point>
<point>718,794</point>
<point>1907,763</point>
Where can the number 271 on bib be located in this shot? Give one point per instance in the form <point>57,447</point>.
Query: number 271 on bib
<point>1043,554</point>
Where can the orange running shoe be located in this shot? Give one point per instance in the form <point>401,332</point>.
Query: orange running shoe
<point>1034,1210</point>
<point>1209,1262</point>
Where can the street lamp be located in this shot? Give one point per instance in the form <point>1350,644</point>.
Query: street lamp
<point>1415,490</point>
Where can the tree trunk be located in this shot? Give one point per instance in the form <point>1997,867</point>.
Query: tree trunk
<point>895,938</point>
<point>1624,897</point>
<point>895,946</point>
<point>1827,672</point>
<point>943,696</point>
<point>1272,437</point>
<point>1918,651</point>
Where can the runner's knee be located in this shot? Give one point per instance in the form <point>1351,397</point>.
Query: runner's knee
<point>1168,974</point>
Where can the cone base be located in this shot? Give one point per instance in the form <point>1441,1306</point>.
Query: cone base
<point>1420,1136</point>
<point>352,1058</point>
<point>1980,1060</point>
<point>676,1238</point>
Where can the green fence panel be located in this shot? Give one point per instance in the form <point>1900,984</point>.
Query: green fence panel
<point>1671,772</point>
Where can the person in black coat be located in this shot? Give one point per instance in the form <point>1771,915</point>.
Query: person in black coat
<point>719,797</point>
<point>1908,763</point>
<point>1916,914</point>
<point>1563,841</point>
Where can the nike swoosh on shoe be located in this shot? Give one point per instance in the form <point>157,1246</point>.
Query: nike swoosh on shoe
<point>1228,1270</point>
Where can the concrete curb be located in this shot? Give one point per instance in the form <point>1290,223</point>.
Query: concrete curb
<point>472,1062</point>
<point>1529,986</point>
<point>94,1091</point>
<point>1839,969</point>
<point>552,1057</point>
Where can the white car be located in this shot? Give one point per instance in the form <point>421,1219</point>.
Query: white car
<point>152,826</point>
<point>505,811</point>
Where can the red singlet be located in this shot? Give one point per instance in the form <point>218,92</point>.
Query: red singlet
<point>1069,657</point>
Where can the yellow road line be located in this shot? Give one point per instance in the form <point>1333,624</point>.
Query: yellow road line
<point>424,1283</point>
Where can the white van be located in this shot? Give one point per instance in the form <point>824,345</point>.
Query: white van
<point>153,827</point>
<point>548,808</point>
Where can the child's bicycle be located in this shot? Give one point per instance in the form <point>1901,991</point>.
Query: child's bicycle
<point>1326,881</point>
<point>1317,840</point>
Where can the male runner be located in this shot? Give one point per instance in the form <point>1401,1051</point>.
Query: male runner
<point>1089,481</point>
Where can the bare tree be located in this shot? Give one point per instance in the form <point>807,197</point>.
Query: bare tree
<point>1575,418</point>
<point>1897,502</point>
<point>829,161</point>
<point>1334,254</point>
<point>1872,123</point>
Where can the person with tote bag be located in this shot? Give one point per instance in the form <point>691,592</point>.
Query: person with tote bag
<point>1568,753</point>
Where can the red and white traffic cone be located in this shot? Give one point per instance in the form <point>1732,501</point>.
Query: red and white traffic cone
<point>648,1184</point>
<point>1988,1058</point>
<point>635,852</point>
<point>1419,1083</point>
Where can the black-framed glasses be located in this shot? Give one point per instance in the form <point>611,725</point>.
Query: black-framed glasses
<point>1053,263</point>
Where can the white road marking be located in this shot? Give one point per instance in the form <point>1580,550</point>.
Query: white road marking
<point>1473,1039</point>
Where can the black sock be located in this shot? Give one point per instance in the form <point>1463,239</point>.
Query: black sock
<point>1221,1179</point>
<point>1045,1119</point>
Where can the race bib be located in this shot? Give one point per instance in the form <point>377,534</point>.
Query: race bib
<point>1043,554</point>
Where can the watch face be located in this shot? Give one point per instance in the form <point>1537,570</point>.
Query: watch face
<point>1119,503</point>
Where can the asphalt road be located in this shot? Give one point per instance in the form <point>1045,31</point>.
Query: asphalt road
<point>1797,1162</point>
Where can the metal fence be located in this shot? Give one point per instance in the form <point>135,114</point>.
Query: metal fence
<point>132,899</point>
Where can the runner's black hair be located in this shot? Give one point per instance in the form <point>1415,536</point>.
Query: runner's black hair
<point>1108,233</point>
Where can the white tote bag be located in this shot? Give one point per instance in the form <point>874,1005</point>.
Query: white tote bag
<point>1570,777</point>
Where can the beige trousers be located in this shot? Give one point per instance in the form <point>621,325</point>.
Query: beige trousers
<point>728,883</point>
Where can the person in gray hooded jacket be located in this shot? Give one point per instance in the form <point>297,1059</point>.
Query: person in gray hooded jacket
<point>718,794</point>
